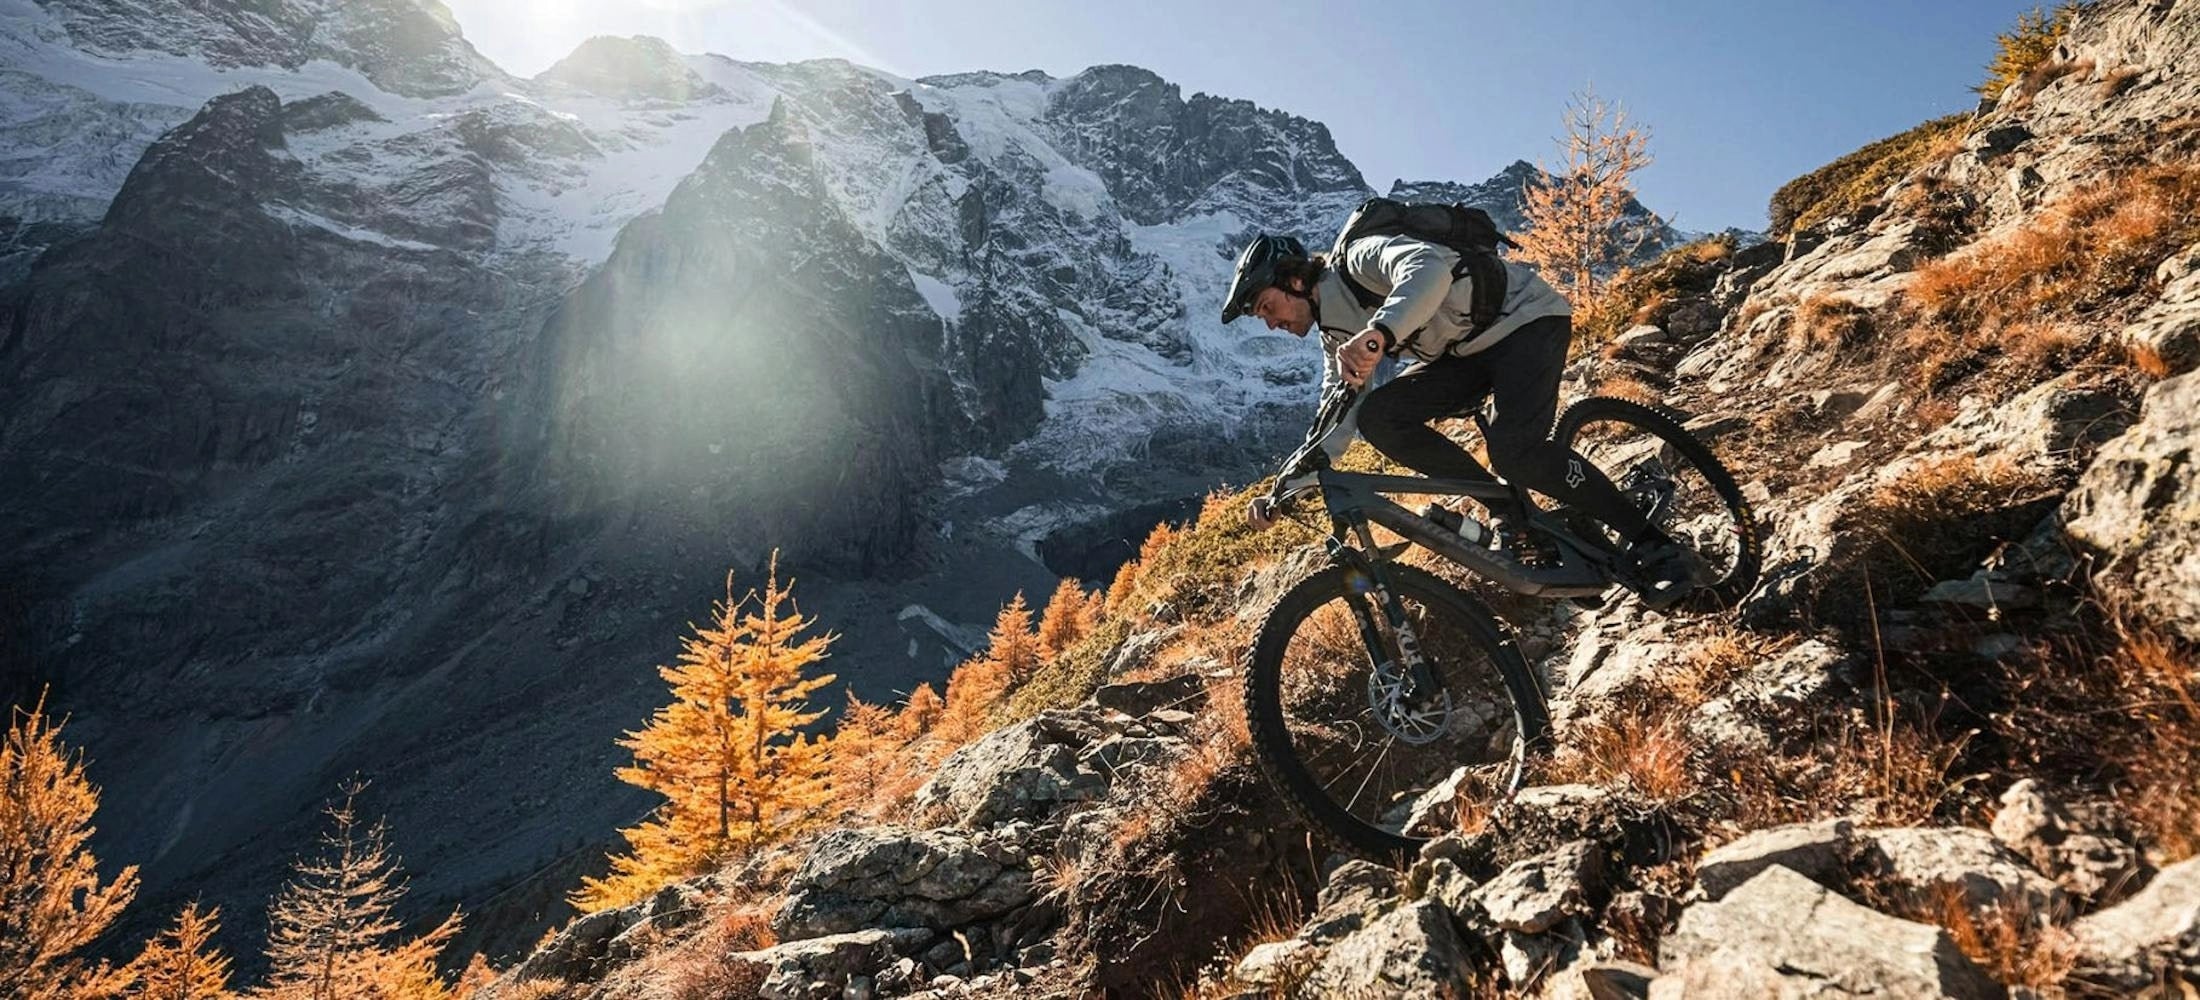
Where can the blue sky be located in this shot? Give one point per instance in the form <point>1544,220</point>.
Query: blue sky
<point>1740,97</point>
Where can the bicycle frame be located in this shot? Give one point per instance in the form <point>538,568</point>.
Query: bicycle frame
<point>1356,499</point>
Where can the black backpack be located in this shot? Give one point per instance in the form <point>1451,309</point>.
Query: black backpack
<point>1463,228</point>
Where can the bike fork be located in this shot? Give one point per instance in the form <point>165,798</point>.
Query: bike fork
<point>1368,579</point>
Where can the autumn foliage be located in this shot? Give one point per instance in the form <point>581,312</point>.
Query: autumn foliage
<point>51,900</point>
<point>332,933</point>
<point>729,754</point>
<point>181,963</point>
<point>1576,214</point>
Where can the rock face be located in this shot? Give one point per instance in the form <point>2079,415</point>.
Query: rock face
<point>2138,508</point>
<point>889,877</point>
<point>2150,938</point>
<point>1022,771</point>
<point>1780,934</point>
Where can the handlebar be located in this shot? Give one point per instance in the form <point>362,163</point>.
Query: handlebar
<point>1309,455</point>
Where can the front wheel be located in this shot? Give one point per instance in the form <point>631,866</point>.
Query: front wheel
<point>1677,483</point>
<point>1364,743</point>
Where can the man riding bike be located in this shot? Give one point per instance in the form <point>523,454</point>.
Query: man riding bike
<point>1424,317</point>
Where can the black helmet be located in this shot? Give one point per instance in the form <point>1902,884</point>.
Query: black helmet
<point>1256,270</point>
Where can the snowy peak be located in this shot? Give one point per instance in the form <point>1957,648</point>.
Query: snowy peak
<point>409,47</point>
<point>639,68</point>
<point>1162,156</point>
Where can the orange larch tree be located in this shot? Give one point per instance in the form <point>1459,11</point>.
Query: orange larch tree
<point>332,933</point>
<point>1576,216</point>
<point>181,963</point>
<point>51,899</point>
<point>728,754</point>
<point>1069,615</point>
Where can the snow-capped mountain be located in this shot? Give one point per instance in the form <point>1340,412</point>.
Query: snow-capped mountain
<point>364,408</point>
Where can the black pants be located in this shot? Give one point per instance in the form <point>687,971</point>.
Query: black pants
<point>1520,375</point>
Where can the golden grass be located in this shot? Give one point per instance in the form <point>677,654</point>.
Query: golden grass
<point>1825,320</point>
<point>2022,292</point>
<point>2010,940</point>
<point>1649,753</point>
<point>1849,184</point>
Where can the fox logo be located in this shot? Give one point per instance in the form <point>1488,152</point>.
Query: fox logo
<point>1574,476</point>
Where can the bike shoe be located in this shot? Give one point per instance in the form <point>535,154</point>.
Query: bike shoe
<point>1667,571</point>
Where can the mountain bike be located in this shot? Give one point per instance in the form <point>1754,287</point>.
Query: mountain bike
<point>1378,693</point>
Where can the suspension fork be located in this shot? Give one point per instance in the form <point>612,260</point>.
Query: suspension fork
<point>1367,577</point>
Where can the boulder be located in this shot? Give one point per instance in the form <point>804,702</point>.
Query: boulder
<point>1782,935</point>
<point>1357,892</point>
<point>1817,851</point>
<point>1924,864</point>
<point>2081,854</point>
<point>1534,894</point>
<point>1278,966</point>
<point>790,970</point>
<point>1140,698</point>
<point>892,877</point>
<point>2152,937</point>
<point>1609,979</point>
<point>578,953</point>
<point>1412,951</point>
<point>1023,771</point>
<point>2138,509</point>
<point>2169,330</point>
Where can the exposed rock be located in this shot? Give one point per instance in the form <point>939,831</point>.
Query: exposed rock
<point>1608,979</point>
<point>1356,893</point>
<point>1986,589</point>
<point>577,953</point>
<point>1922,864</point>
<point>1754,703</point>
<point>1528,959</point>
<point>1412,951</point>
<point>2057,424</point>
<point>891,877</point>
<point>1781,934</point>
<point>1024,771</point>
<point>1140,698</point>
<point>1278,965</point>
<point>792,969</point>
<point>1532,895</point>
<point>1818,851</point>
<point>2152,936</point>
<point>2081,856</point>
<point>2138,508</point>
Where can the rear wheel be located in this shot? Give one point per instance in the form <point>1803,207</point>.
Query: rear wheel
<point>1678,484</point>
<point>1365,746</point>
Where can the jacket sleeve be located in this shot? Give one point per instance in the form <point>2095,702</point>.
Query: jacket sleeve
<point>1419,275</point>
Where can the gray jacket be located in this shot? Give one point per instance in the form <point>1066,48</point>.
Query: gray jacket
<point>1425,309</point>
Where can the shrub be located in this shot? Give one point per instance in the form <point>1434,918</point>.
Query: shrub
<point>1648,293</point>
<point>1847,185</point>
<point>2025,48</point>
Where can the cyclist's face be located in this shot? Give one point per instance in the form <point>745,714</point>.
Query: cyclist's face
<point>1282,310</point>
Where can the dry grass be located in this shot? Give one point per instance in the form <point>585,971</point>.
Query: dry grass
<point>1931,522</point>
<point>2011,941</point>
<point>1648,753</point>
<point>2116,81</point>
<point>536,989</point>
<point>2024,291</point>
<point>1885,770</point>
<point>1825,320</point>
<point>2148,361</point>
<point>1628,387</point>
<point>1849,185</point>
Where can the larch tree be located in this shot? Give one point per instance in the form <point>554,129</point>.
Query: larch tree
<point>1012,643</point>
<point>181,962</point>
<point>332,933</point>
<point>1576,217</point>
<point>51,900</point>
<point>728,754</point>
<point>1067,618</point>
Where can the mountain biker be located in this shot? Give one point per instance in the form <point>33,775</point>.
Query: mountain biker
<point>1424,318</point>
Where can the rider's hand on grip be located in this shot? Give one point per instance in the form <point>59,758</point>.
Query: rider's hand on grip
<point>1356,357</point>
<point>1261,513</point>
